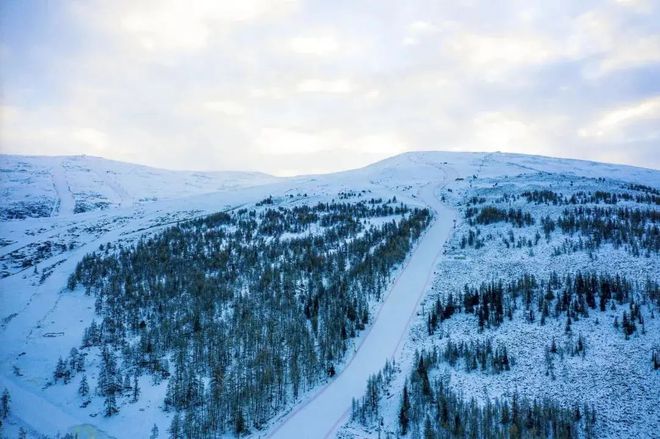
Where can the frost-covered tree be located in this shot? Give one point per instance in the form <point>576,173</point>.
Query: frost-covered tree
<point>83,389</point>
<point>404,411</point>
<point>4,404</point>
<point>110,405</point>
<point>295,301</point>
<point>175,427</point>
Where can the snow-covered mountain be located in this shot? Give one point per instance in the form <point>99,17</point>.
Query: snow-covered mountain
<point>34,186</point>
<point>491,222</point>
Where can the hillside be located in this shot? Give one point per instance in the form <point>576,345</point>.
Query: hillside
<point>34,187</point>
<point>459,269</point>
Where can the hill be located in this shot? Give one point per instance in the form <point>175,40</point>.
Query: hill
<point>240,303</point>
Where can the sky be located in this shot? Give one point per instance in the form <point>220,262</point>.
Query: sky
<point>295,86</point>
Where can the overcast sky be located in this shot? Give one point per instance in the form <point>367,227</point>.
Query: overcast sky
<point>297,86</point>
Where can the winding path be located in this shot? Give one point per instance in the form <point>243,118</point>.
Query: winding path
<point>320,416</point>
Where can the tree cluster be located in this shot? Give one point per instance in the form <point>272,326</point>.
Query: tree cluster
<point>491,214</point>
<point>633,229</point>
<point>241,312</point>
<point>571,296</point>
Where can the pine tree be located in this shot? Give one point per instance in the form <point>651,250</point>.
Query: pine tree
<point>109,381</point>
<point>175,427</point>
<point>154,432</point>
<point>239,423</point>
<point>60,370</point>
<point>136,388</point>
<point>110,405</point>
<point>4,404</point>
<point>428,429</point>
<point>83,389</point>
<point>404,412</point>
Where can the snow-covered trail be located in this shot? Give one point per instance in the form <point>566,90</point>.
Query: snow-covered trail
<point>110,179</point>
<point>320,416</point>
<point>66,203</point>
<point>44,416</point>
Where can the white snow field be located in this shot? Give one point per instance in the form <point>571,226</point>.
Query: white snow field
<point>33,186</point>
<point>55,210</point>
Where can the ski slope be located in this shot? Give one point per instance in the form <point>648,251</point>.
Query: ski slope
<point>37,187</point>
<point>321,415</point>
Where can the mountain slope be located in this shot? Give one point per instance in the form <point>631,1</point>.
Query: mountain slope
<point>42,320</point>
<point>547,244</point>
<point>34,186</point>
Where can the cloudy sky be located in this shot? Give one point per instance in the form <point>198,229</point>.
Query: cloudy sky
<point>300,86</point>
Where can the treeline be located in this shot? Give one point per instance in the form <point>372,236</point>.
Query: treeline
<point>597,197</point>
<point>238,320</point>
<point>491,214</point>
<point>446,413</point>
<point>477,355</point>
<point>571,296</point>
<point>636,229</point>
<point>431,409</point>
<point>5,401</point>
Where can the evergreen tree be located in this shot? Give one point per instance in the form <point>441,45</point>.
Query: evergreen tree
<point>60,370</point>
<point>429,433</point>
<point>109,380</point>
<point>404,411</point>
<point>83,389</point>
<point>154,432</point>
<point>175,427</point>
<point>136,388</point>
<point>4,404</point>
<point>110,405</point>
<point>239,423</point>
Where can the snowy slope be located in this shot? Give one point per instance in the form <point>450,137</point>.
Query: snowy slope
<point>615,374</point>
<point>382,342</point>
<point>59,186</point>
<point>121,202</point>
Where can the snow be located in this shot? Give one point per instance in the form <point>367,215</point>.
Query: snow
<point>93,183</point>
<point>615,375</point>
<point>128,201</point>
<point>322,414</point>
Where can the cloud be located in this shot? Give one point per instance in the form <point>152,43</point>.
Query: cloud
<point>503,52</point>
<point>640,120</point>
<point>226,107</point>
<point>418,30</point>
<point>172,25</point>
<point>611,40</point>
<point>502,131</point>
<point>283,141</point>
<point>315,45</point>
<point>294,86</point>
<point>335,86</point>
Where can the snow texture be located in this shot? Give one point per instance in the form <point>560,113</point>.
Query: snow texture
<point>57,209</point>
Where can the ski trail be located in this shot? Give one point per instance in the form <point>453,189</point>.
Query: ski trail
<point>43,415</point>
<point>125,199</point>
<point>320,416</point>
<point>66,203</point>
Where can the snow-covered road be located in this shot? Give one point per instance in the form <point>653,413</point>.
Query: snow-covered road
<point>322,414</point>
